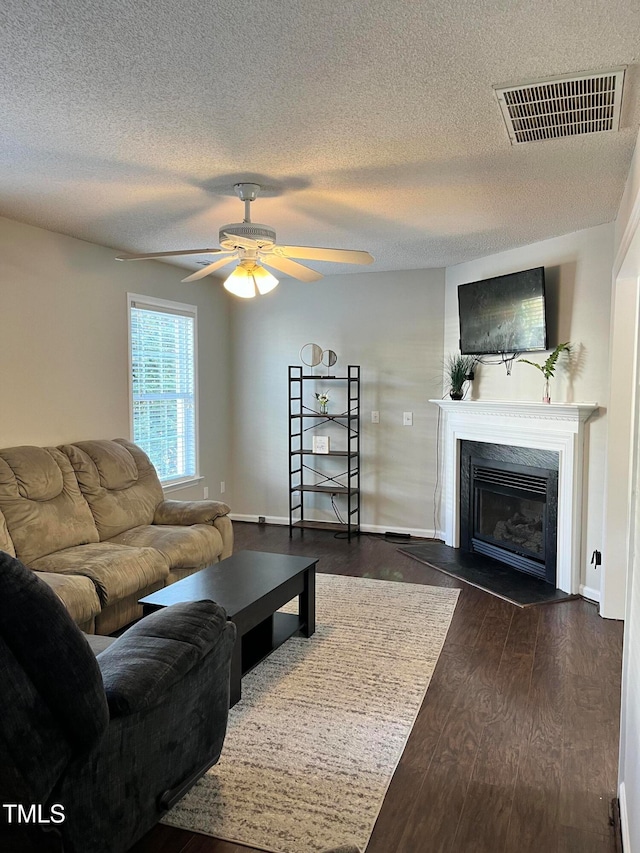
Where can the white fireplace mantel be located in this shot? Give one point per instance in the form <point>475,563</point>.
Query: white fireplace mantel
<point>557,427</point>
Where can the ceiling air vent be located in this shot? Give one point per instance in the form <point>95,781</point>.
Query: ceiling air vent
<point>562,106</point>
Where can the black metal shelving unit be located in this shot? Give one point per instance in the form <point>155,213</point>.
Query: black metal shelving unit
<point>306,478</point>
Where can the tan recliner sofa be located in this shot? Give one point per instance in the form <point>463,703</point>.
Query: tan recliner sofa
<point>91,520</point>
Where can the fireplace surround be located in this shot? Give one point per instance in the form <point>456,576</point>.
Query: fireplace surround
<point>555,427</point>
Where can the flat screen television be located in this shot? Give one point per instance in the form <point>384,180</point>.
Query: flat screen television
<point>505,314</point>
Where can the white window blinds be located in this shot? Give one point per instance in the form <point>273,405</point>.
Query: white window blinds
<point>163,382</point>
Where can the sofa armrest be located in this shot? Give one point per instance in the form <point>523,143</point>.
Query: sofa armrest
<point>225,529</point>
<point>189,512</point>
<point>153,655</point>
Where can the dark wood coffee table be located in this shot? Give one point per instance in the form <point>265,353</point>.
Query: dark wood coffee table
<point>251,586</point>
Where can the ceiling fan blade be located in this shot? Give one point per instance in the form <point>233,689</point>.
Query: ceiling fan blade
<point>290,267</point>
<point>195,276</point>
<point>338,256</point>
<point>151,255</point>
<point>242,242</point>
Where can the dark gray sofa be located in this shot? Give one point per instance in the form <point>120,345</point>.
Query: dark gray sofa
<point>115,739</point>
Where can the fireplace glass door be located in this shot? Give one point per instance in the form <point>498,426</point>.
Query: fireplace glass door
<point>511,521</point>
<point>512,518</point>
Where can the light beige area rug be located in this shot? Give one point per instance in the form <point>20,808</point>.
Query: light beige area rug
<point>313,744</point>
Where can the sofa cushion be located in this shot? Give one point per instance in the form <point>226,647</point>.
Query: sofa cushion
<point>118,481</point>
<point>115,465</point>
<point>38,477</point>
<point>77,593</point>
<point>116,570</point>
<point>194,546</point>
<point>41,502</point>
<point>190,512</point>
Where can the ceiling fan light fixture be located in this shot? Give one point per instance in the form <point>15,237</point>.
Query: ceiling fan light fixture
<point>248,279</point>
<point>265,282</point>
<point>252,243</point>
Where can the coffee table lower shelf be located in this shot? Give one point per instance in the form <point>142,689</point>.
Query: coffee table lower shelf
<point>265,638</point>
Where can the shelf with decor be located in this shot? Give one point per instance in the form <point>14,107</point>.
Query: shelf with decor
<point>309,452</point>
<point>341,443</point>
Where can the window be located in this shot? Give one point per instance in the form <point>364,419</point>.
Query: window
<point>164,385</point>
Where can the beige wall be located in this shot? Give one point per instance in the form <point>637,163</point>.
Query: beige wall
<point>391,325</point>
<point>64,364</point>
<point>624,445</point>
<point>623,382</point>
<point>63,375</point>
<point>628,217</point>
<point>578,277</point>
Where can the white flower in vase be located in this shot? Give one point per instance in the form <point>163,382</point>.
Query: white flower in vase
<point>323,399</point>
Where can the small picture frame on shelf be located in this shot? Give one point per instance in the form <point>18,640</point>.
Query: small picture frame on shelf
<point>320,444</point>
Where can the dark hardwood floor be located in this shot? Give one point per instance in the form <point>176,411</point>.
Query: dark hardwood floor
<point>515,748</point>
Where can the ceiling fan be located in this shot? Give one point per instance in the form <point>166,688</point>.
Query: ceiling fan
<point>254,247</point>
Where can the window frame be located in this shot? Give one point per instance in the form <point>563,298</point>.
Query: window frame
<point>153,303</point>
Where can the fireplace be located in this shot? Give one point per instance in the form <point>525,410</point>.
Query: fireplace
<point>509,506</point>
<point>554,427</point>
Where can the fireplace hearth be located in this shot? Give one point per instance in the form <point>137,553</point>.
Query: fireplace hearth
<point>508,506</point>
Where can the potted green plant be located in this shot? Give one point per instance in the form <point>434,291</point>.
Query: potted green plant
<point>548,368</point>
<point>458,369</point>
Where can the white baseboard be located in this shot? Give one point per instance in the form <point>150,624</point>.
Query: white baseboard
<point>624,819</point>
<point>418,532</point>
<point>590,593</point>
<point>268,519</point>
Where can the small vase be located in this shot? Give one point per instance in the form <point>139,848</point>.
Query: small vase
<point>456,395</point>
<point>546,394</point>
<point>324,408</point>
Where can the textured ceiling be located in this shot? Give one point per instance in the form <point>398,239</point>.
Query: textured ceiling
<point>372,125</point>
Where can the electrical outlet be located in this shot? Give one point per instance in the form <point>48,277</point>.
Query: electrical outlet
<point>205,492</point>
<point>222,487</point>
<point>261,519</point>
<point>407,419</point>
<point>375,417</point>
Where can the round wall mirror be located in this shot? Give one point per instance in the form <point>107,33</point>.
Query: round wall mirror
<point>311,355</point>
